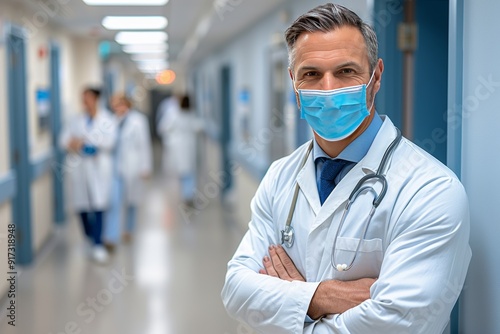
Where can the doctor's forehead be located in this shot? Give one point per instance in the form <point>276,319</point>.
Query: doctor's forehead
<point>341,44</point>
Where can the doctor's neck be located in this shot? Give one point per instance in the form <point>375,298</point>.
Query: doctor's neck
<point>92,111</point>
<point>334,148</point>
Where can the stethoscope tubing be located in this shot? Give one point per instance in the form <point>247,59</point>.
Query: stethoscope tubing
<point>287,235</point>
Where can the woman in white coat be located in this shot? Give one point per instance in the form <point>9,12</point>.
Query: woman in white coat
<point>89,139</point>
<point>181,129</point>
<point>132,163</point>
<point>168,108</point>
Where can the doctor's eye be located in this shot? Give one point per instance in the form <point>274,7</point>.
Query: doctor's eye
<point>311,74</point>
<point>347,71</point>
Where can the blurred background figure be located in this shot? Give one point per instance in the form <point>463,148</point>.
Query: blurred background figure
<point>132,164</point>
<point>166,109</point>
<point>89,140</point>
<point>181,130</point>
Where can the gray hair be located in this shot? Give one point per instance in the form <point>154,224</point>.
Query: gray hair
<point>326,18</point>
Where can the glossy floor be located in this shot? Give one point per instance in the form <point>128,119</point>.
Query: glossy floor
<point>167,280</point>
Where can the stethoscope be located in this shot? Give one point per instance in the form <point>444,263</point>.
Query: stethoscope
<point>287,235</point>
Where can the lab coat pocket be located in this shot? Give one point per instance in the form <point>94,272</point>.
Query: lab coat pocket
<point>368,258</point>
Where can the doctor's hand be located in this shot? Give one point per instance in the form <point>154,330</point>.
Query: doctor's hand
<point>278,264</point>
<point>75,145</point>
<point>335,297</point>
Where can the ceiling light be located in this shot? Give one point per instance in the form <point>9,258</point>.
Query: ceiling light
<point>149,56</point>
<point>152,66</point>
<point>134,37</point>
<point>125,2</point>
<point>134,22</point>
<point>145,48</point>
<point>165,77</point>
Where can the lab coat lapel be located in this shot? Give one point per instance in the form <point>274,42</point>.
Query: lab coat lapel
<point>307,183</point>
<point>367,165</point>
<point>384,138</point>
<point>339,195</point>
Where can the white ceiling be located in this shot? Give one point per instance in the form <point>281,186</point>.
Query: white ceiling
<point>225,19</point>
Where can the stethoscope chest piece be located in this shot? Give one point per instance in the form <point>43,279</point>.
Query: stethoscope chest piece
<point>287,236</point>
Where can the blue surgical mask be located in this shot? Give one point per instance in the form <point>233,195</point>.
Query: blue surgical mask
<point>334,114</point>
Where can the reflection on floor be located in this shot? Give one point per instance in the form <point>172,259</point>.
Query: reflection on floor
<point>167,280</point>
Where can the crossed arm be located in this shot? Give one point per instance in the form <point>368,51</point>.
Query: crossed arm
<point>331,296</point>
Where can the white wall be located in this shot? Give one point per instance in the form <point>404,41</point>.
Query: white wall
<point>86,71</point>
<point>40,140</point>
<point>480,161</point>
<point>37,76</point>
<point>42,199</point>
<point>126,75</point>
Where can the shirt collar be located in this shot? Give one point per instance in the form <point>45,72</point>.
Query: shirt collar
<point>356,150</point>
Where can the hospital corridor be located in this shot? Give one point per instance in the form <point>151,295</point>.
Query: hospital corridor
<point>249,166</point>
<point>166,280</point>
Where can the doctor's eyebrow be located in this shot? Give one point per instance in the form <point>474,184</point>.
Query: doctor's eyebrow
<point>350,64</point>
<point>301,70</point>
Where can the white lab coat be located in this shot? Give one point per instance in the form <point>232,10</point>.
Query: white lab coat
<point>417,246</point>
<point>90,176</point>
<point>181,129</point>
<point>134,158</point>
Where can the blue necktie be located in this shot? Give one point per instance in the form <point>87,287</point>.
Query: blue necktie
<point>329,171</point>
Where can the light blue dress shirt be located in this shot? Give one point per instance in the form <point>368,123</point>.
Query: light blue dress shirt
<point>353,153</point>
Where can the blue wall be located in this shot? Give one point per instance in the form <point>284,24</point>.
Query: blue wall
<point>387,15</point>
<point>431,77</point>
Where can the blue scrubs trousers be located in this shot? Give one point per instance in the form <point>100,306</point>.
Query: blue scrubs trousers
<point>118,212</point>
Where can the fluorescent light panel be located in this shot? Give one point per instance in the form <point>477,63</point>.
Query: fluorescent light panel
<point>125,2</point>
<point>153,72</point>
<point>145,48</point>
<point>153,66</point>
<point>152,69</point>
<point>152,63</point>
<point>149,56</point>
<point>134,22</point>
<point>144,37</point>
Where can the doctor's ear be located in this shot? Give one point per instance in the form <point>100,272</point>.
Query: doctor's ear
<point>379,69</point>
<point>294,88</point>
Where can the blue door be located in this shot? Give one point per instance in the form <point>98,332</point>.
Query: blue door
<point>225,137</point>
<point>430,83</point>
<point>431,77</point>
<point>55,96</point>
<point>18,137</point>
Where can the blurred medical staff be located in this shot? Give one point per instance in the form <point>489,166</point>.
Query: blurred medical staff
<point>181,129</point>
<point>89,140</point>
<point>167,109</point>
<point>132,163</point>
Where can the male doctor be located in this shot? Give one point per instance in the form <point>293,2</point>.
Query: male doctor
<point>405,273</point>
